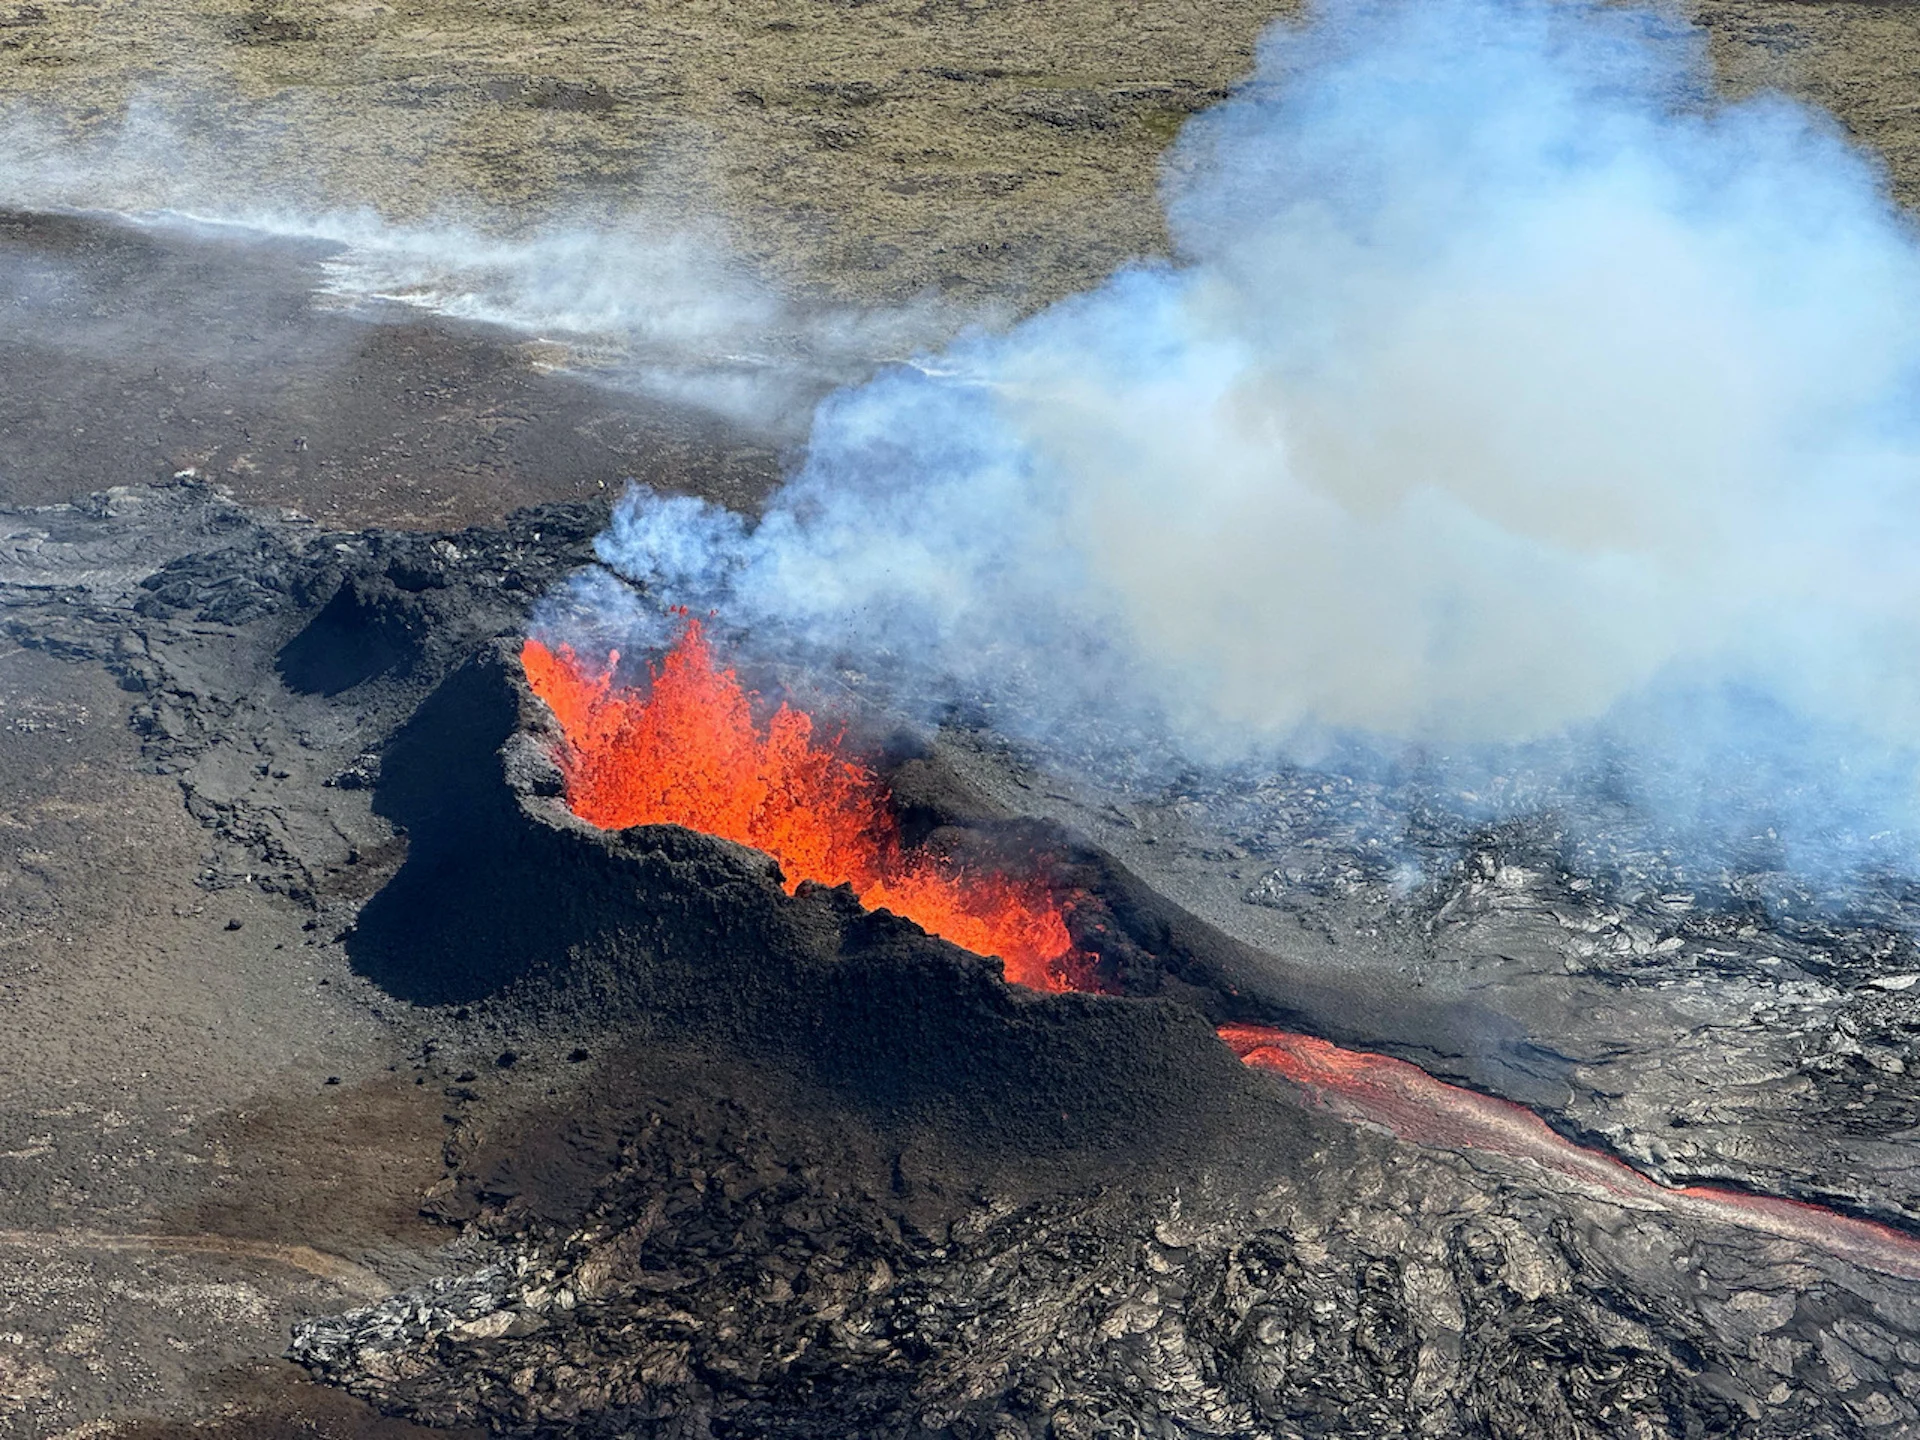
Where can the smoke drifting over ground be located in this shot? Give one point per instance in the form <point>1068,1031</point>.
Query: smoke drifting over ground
<point>666,310</point>
<point>1506,396</point>
<point>653,298</point>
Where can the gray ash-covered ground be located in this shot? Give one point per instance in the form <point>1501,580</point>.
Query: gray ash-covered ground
<point>136,350</point>
<point>717,1161</point>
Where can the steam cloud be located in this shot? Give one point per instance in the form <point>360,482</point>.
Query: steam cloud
<point>1506,395</point>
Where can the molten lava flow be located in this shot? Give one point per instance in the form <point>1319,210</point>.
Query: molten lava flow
<point>687,751</point>
<point>1406,1101</point>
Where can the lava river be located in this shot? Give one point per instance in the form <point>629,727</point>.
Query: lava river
<point>687,750</point>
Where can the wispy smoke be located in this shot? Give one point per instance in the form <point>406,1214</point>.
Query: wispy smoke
<point>1506,394</point>
<point>664,306</point>
<point>667,310</point>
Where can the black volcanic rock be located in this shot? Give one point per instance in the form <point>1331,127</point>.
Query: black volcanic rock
<point>674,935</point>
<point>670,1263</point>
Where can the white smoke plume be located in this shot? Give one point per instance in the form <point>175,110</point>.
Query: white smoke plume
<point>1506,395</point>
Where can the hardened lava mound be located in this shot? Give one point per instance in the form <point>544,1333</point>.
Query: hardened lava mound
<point>684,937</point>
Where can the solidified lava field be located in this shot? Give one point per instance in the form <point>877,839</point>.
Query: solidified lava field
<point>352,1085</point>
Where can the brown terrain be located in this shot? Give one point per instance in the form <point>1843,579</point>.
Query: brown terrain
<point>213,1123</point>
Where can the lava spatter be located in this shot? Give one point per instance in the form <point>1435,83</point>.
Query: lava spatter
<point>687,750</point>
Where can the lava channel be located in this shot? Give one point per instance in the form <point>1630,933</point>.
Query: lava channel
<point>1413,1106</point>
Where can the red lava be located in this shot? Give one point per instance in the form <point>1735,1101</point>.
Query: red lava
<point>688,750</point>
<point>1413,1106</point>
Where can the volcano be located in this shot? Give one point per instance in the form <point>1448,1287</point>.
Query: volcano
<point>686,752</point>
<point>734,1148</point>
<point>781,956</point>
<point>921,1038</point>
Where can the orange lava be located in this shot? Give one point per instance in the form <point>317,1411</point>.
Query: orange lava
<point>687,751</point>
<point>1413,1106</point>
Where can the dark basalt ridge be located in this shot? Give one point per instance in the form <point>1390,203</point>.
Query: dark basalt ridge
<point>673,935</point>
<point>470,778</point>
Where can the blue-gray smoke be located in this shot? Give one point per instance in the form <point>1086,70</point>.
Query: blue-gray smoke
<point>1506,395</point>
